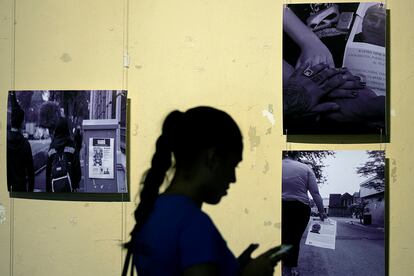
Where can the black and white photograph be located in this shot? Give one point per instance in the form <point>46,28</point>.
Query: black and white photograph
<point>334,68</point>
<point>333,212</point>
<point>61,141</point>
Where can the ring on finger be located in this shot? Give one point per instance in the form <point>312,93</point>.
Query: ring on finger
<point>308,72</point>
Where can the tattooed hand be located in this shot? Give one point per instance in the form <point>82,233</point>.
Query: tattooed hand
<point>306,87</point>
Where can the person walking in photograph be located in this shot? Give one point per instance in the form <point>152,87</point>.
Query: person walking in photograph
<point>297,180</point>
<point>63,171</point>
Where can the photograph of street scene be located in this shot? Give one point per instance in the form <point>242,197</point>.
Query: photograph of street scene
<point>333,212</point>
<point>334,68</point>
<point>67,141</point>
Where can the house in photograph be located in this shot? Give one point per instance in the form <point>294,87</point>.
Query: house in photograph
<point>375,201</point>
<point>339,205</point>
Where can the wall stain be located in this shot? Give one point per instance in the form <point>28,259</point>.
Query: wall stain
<point>270,108</point>
<point>268,223</point>
<point>266,167</point>
<point>138,67</point>
<point>86,205</point>
<point>2,214</point>
<point>394,171</point>
<point>246,211</point>
<point>189,38</point>
<point>199,69</point>
<point>265,198</point>
<point>189,41</point>
<point>251,107</point>
<point>269,131</point>
<point>277,225</point>
<point>253,138</point>
<point>66,57</point>
<point>135,130</point>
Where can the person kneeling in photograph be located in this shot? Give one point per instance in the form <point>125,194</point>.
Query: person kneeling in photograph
<point>172,235</point>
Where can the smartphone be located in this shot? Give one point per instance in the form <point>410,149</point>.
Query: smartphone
<point>284,248</point>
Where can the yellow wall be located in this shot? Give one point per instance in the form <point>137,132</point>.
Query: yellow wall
<point>182,53</point>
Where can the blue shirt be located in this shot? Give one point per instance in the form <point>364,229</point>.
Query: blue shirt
<point>177,236</point>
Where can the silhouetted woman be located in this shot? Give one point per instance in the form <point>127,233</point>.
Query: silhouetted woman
<point>173,236</point>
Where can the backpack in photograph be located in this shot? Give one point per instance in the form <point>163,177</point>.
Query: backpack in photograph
<point>60,171</point>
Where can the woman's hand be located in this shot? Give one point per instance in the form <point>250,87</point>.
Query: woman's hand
<point>366,108</point>
<point>263,265</point>
<point>323,216</point>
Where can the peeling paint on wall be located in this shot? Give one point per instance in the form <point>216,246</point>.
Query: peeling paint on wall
<point>135,130</point>
<point>266,168</point>
<point>253,138</point>
<point>73,221</point>
<point>394,171</point>
<point>268,115</point>
<point>2,214</point>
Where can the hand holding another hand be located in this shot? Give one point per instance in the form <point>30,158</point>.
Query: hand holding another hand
<point>306,88</point>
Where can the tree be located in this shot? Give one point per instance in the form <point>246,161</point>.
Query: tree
<point>359,209</point>
<point>374,167</point>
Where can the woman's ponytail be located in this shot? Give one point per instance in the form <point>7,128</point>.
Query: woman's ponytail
<point>160,164</point>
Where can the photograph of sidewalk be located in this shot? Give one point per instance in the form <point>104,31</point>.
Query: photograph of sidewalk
<point>351,185</point>
<point>33,117</point>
